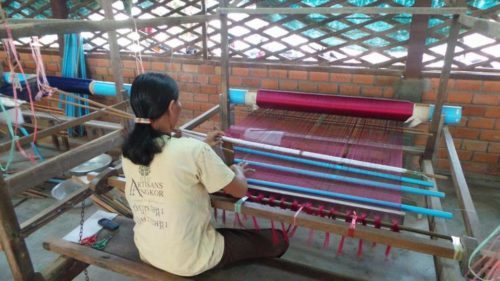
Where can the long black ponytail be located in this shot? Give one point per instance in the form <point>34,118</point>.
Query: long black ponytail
<point>150,96</point>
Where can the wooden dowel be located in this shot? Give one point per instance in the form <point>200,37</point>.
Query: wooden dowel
<point>117,113</point>
<point>94,102</point>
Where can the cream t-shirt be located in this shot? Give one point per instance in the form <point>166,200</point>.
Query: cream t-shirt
<point>171,206</point>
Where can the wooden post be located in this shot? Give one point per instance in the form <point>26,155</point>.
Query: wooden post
<point>204,30</point>
<point>442,95</point>
<point>416,44</point>
<point>59,11</point>
<point>63,269</point>
<point>445,269</point>
<point>12,243</point>
<point>224,71</point>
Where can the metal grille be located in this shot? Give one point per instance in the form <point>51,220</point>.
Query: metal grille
<point>356,40</point>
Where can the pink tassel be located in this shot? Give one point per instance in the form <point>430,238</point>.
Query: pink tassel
<point>377,223</point>
<point>395,228</point>
<point>282,203</point>
<point>255,223</point>
<point>216,214</point>
<point>311,237</point>
<point>224,217</point>
<point>237,221</point>
<point>360,247</point>
<point>285,233</point>
<point>340,247</point>
<point>326,243</point>
<point>275,233</point>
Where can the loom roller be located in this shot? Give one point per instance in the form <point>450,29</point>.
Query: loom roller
<point>411,113</point>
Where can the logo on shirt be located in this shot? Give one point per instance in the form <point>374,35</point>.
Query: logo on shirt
<point>144,171</point>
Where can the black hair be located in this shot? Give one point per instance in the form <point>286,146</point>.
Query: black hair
<point>150,97</point>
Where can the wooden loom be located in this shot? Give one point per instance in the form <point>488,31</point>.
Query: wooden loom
<point>75,258</point>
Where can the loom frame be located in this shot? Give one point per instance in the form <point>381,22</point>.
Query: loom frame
<point>12,233</point>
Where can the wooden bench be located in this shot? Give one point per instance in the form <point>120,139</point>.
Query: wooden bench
<point>121,256</point>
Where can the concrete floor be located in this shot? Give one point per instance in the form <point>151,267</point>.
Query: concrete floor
<point>402,265</point>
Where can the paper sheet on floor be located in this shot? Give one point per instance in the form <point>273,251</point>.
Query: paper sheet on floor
<point>90,226</point>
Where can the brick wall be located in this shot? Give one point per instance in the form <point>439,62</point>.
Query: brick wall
<point>477,138</point>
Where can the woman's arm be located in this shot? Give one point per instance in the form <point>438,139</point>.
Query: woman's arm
<point>238,186</point>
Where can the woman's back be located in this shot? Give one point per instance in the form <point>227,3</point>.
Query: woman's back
<point>171,206</point>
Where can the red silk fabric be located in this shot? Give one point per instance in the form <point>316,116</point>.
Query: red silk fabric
<point>337,105</point>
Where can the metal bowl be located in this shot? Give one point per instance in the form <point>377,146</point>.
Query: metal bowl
<point>65,188</point>
<point>96,164</point>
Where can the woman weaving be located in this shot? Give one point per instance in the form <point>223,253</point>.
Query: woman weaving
<point>168,181</point>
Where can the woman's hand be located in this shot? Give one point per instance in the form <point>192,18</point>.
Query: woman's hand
<point>241,168</point>
<point>214,138</point>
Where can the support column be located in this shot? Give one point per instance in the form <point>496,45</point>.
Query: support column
<point>12,243</point>
<point>225,117</point>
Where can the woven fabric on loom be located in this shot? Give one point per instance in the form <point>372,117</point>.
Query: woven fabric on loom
<point>369,140</point>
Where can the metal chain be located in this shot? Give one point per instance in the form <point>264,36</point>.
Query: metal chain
<point>82,221</point>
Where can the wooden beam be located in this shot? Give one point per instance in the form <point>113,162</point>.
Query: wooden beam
<point>445,269</point>
<point>469,214</point>
<point>442,95</point>
<point>416,44</point>
<point>344,10</point>
<point>225,113</point>
<point>57,128</point>
<point>61,118</point>
<point>107,261</point>
<point>63,269</point>
<point>59,11</point>
<point>486,27</point>
<point>441,248</point>
<point>43,171</point>
<point>13,244</point>
<point>44,217</point>
<point>190,125</point>
<point>44,27</point>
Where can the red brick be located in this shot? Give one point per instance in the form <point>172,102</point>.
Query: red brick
<point>308,87</point>
<point>468,85</point>
<point>491,158</point>
<point>351,90</point>
<point>327,88</point>
<point>250,82</point>
<point>493,112</point>
<point>189,87</point>
<point>158,66</point>
<point>214,99</point>
<point>497,125</point>
<point>289,85</point>
<point>474,167</point>
<point>206,69</point>
<point>490,135</point>
<point>299,75</point>
<point>209,89</point>
<point>270,84</point>
<point>127,63</point>
<point>341,77</point>
<point>464,155</point>
<point>258,72</point>
<point>388,92</point>
<point>100,70</point>
<point>190,68</point>
<point>460,97</point>
<point>473,145</point>
<point>363,79</point>
<point>494,147</point>
<point>173,67</point>
<point>319,76</point>
<point>239,71</point>
<point>386,80</point>
<point>443,164</point>
<point>188,105</point>
<point>486,99</point>
<point>371,91</point>
<point>491,86</point>
<point>277,73</point>
<point>235,81</point>
<point>466,133</point>
<point>185,77</point>
<point>214,79</point>
<point>429,95</point>
<point>482,123</point>
<point>201,98</point>
<point>473,110</point>
<point>202,79</point>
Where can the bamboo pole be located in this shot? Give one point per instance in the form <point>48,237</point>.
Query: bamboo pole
<point>345,10</point>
